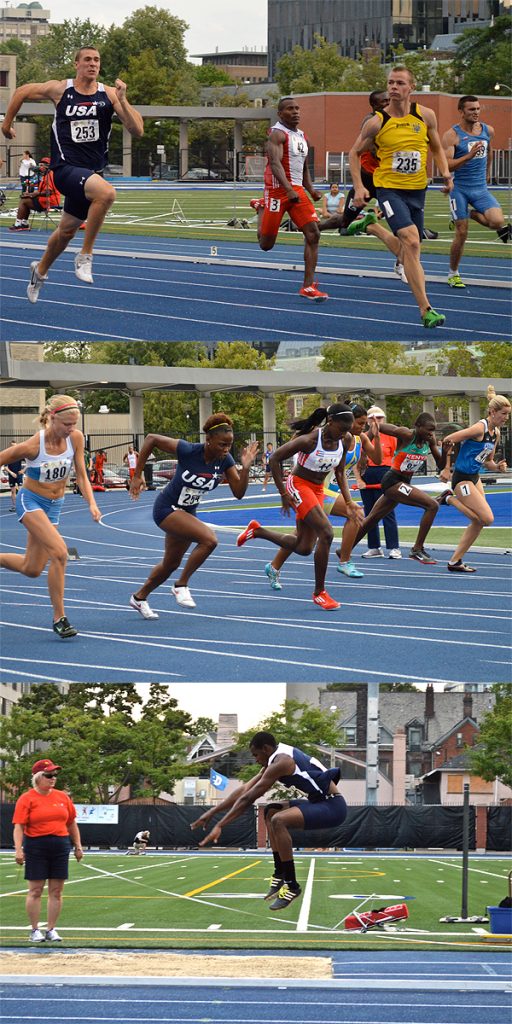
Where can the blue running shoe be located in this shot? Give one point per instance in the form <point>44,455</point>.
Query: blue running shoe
<point>273,576</point>
<point>349,569</point>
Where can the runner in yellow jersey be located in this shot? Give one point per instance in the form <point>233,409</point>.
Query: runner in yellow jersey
<point>402,135</point>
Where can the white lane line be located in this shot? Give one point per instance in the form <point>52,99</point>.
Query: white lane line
<point>302,923</point>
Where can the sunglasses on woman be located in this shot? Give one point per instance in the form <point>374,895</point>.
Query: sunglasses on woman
<point>50,775</point>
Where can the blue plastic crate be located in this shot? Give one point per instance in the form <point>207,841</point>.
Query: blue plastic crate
<point>501,920</point>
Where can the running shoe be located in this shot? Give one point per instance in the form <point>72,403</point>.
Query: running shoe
<point>505,233</point>
<point>248,533</point>
<point>183,597</point>
<point>399,270</point>
<point>359,226</point>
<point>63,628</point>
<point>143,608</point>
<point>433,319</point>
<point>36,282</point>
<point>373,553</point>
<point>257,204</point>
<point>313,293</point>
<point>349,569</point>
<point>429,234</point>
<point>422,556</point>
<point>326,602</point>
<point>273,576</point>
<point>275,885</point>
<point>443,498</point>
<point>459,566</point>
<point>36,935</point>
<point>52,935</point>
<point>83,267</point>
<point>394,553</point>
<point>455,281</point>
<point>24,226</point>
<point>285,896</point>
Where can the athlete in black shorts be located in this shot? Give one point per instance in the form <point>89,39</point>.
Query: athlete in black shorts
<point>84,109</point>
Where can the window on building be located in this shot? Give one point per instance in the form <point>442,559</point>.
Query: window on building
<point>4,79</point>
<point>460,741</point>
<point>350,734</point>
<point>414,738</point>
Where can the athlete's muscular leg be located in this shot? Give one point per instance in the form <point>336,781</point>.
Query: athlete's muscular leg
<point>492,218</point>
<point>410,241</point>
<point>311,239</point>
<point>58,241</point>
<point>459,241</point>
<point>385,236</point>
<point>101,195</point>
<point>278,830</point>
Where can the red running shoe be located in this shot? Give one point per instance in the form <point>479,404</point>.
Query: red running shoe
<point>313,293</point>
<point>257,204</point>
<point>248,533</point>
<point>323,599</point>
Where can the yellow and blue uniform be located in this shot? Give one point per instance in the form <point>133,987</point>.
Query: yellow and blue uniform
<point>401,145</point>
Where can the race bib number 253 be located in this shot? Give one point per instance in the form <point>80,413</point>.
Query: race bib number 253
<point>85,131</point>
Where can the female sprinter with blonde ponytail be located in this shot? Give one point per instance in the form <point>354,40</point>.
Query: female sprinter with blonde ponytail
<point>49,456</point>
<point>477,450</point>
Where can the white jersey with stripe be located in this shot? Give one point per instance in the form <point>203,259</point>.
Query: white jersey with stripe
<point>321,460</point>
<point>309,774</point>
<point>48,468</point>
<point>295,151</point>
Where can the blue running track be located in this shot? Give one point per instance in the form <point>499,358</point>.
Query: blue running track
<point>403,621</point>
<point>170,293</point>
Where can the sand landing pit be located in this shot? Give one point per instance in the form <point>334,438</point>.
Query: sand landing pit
<point>165,965</point>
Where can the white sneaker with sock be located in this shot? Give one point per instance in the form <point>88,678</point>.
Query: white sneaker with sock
<point>83,267</point>
<point>52,935</point>
<point>143,608</point>
<point>373,553</point>
<point>36,935</point>
<point>183,596</point>
<point>36,282</point>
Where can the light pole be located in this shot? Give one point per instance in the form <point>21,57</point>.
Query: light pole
<point>333,709</point>
<point>501,85</point>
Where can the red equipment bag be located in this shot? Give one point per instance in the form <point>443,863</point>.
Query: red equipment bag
<point>376,918</point>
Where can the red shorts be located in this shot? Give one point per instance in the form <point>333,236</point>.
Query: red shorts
<point>305,495</point>
<point>277,204</point>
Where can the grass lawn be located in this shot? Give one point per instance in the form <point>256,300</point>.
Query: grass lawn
<point>184,212</point>
<point>213,900</point>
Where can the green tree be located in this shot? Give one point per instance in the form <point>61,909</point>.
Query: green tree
<point>56,50</point>
<point>320,69</point>
<point>209,75</point>
<point>19,731</point>
<point>147,30</point>
<point>491,757</point>
<point>366,357</point>
<point>483,57</point>
<point>496,360</point>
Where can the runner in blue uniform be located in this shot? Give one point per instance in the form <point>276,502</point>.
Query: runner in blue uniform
<point>324,807</point>
<point>468,149</point>
<point>477,450</point>
<point>201,467</point>
<point>79,153</point>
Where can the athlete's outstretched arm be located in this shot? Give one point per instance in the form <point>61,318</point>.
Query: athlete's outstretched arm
<point>32,91</point>
<point>264,781</point>
<point>130,117</point>
<point>165,444</point>
<point>437,150</point>
<point>238,481</point>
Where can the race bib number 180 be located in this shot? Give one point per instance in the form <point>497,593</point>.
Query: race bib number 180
<point>85,131</point>
<point>51,472</point>
<point>407,161</point>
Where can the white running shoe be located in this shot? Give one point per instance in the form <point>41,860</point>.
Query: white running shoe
<point>36,282</point>
<point>52,935</point>
<point>399,269</point>
<point>373,553</point>
<point>36,935</point>
<point>183,597</point>
<point>143,608</point>
<point>394,553</point>
<point>83,267</point>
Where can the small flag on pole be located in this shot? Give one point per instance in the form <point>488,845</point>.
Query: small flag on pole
<point>217,780</point>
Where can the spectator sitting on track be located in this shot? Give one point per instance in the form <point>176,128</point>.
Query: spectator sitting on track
<point>44,828</point>
<point>45,197</point>
<point>324,807</point>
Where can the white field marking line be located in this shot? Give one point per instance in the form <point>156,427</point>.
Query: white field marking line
<point>302,923</point>
<point>477,871</point>
<point>243,306</point>
<point>51,328</point>
<point>80,664</point>
<point>179,896</point>
<point>76,881</point>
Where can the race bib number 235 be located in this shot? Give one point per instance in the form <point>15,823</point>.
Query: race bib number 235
<point>407,161</point>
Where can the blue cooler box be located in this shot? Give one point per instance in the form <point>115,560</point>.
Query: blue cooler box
<point>501,920</point>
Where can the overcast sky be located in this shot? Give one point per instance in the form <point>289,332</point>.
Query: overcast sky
<point>226,24</point>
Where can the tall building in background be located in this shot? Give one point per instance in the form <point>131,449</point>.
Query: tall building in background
<point>27,22</point>
<point>371,25</point>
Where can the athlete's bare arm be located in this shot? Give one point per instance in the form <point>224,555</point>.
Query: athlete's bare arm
<point>364,142</point>
<point>489,152</point>
<point>130,117</point>
<point>282,765</point>
<point>275,149</point>
<point>32,91</point>
<point>308,184</point>
<point>227,803</point>
<point>302,443</point>
<point>165,444</point>
<point>403,434</point>
<point>23,450</point>
<point>436,148</point>
<point>449,141</point>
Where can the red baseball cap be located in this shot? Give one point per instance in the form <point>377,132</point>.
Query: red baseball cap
<point>45,766</point>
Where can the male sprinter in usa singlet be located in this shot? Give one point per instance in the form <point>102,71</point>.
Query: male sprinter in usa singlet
<point>402,135</point>
<point>84,109</point>
<point>468,147</point>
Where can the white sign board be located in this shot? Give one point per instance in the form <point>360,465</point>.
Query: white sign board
<point>97,814</point>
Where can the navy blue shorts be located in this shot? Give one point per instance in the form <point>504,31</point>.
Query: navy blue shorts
<point>163,507</point>
<point>71,182</point>
<point>46,857</point>
<point>322,813</point>
<point>402,207</point>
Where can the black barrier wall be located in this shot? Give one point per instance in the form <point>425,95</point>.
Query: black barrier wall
<point>499,828</point>
<point>395,828</point>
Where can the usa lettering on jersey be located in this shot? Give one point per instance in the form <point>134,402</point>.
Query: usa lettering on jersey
<point>202,482</point>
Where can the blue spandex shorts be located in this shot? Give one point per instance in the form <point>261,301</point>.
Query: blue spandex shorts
<point>27,501</point>
<point>71,182</point>
<point>46,857</point>
<point>479,198</point>
<point>163,507</point>
<point>402,207</point>
<point>322,813</point>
